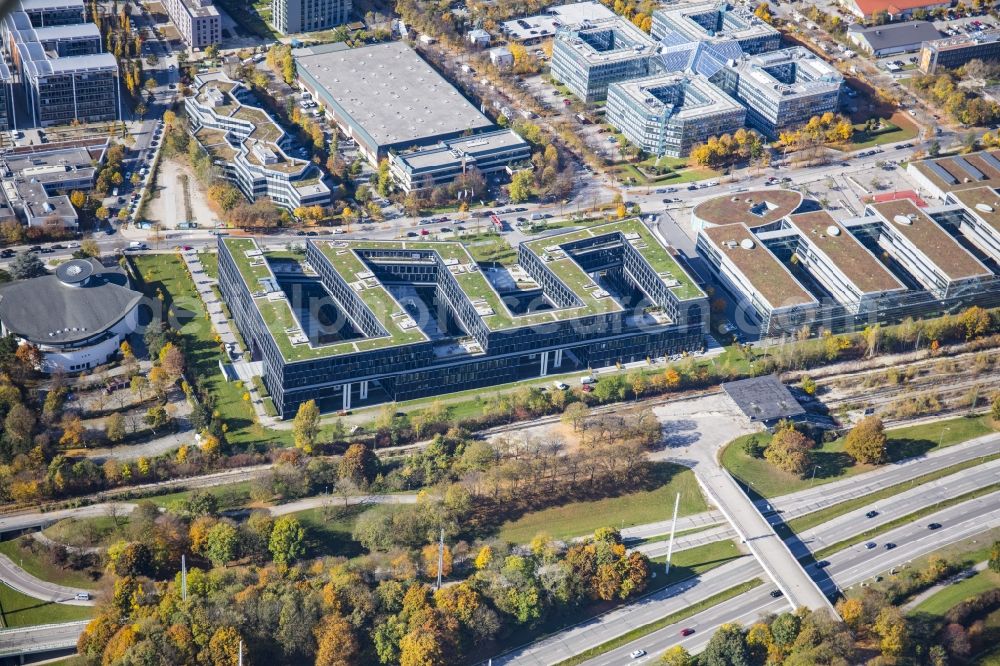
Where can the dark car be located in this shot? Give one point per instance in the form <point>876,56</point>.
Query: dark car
<point>35,248</point>
<point>47,250</point>
<point>776,593</point>
<point>411,234</point>
<point>7,253</point>
<point>687,631</point>
<point>58,246</point>
<point>444,230</point>
<point>889,545</point>
<point>869,545</point>
<point>823,564</point>
<point>934,526</point>
<point>871,514</point>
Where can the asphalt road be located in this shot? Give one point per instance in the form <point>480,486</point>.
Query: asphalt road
<point>14,576</point>
<point>848,567</point>
<point>40,638</point>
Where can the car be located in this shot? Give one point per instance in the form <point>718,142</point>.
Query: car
<point>520,209</point>
<point>35,248</point>
<point>635,654</point>
<point>889,545</point>
<point>586,388</point>
<point>562,386</point>
<point>7,253</point>
<point>776,593</point>
<point>58,246</point>
<point>870,545</point>
<point>411,234</point>
<point>445,230</point>
<point>424,232</point>
<point>47,250</point>
<point>82,596</point>
<point>661,190</point>
<point>187,248</point>
<point>687,631</point>
<point>73,244</point>
<point>871,514</point>
<point>522,219</point>
<point>823,564</point>
<point>934,526</point>
<point>172,67</point>
<point>459,227</point>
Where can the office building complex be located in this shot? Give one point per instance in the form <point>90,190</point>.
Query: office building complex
<point>386,97</point>
<point>77,317</point>
<point>755,208</point>
<point>937,177</point>
<point>590,56</point>
<point>488,153</point>
<point>783,88</point>
<point>58,57</point>
<point>6,97</point>
<point>533,29</point>
<point>896,261</point>
<point>291,16</point>
<point>668,114</point>
<point>248,145</point>
<point>36,180</point>
<point>701,21</point>
<point>197,21</point>
<point>406,319</point>
<point>954,52</point>
<point>894,9</point>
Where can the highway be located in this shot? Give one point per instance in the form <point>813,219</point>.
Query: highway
<point>847,568</point>
<point>40,638</point>
<point>594,632</point>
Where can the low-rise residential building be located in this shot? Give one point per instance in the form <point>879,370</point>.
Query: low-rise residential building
<point>712,20</point>
<point>501,57</point>
<point>894,9</point>
<point>197,21</point>
<point>892,38</point>
<point>292,16</point>
<point>64,75</point>
<point>668,114</point>
<point>953,52</point>
<point>37,179</point>
<point>386,97</point>
<point>590,56</point>
<point>487,153</point>
<point>249,145</point>
<point>478,38</point>
<point>782,88</point>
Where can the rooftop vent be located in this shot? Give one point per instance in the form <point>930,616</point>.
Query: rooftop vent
<point>902,219</point>
<point>833,230</point>
<point>747,244</point>
<point>984,208</point>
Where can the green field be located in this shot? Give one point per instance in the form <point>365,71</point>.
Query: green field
<point>832,463</point>
<point>330,535</point>
<point>694,562</point>
<point>37,566</point>
<point>900,129</point>
<point>19,610</point>
<point>941,602</point>
<point>210,261</point>
<point>638,508</point>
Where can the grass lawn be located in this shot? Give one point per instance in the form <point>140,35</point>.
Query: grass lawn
<point>625,172</point>
<point>39,567</point>
<point>84,532</point>
<point>582,518</point>
<point>19,610</point>
<point>210,261</point>
<point>833,464</point>
<point>167,274</point>
<point>330,535</point>
<point>899,128</point>
<point>694,562</point>
<point>494,249</point>
<point>231,496</point>
<point>941,602</point>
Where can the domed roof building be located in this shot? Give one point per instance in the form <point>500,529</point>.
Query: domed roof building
<point>77,316</point>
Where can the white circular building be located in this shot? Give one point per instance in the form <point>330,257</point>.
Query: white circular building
<point>77,316</point>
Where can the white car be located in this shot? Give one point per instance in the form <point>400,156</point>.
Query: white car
<point>635,654</point>
<point>560,385</point>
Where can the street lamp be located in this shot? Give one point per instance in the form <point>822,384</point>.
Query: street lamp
<point>941,436</point>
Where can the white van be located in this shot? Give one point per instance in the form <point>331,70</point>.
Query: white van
<point>588,379</point>
<point>137,245</point>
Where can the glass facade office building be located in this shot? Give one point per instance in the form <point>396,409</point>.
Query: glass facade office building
<point>404,319</point>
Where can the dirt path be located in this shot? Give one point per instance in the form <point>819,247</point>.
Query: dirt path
<point>167,207</point>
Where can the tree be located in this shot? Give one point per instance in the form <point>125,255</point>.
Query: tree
<point>90,248</point>
<point>156,417</point>
<point>676,656</point>
<point>224,647</point>
<point>866,442</point>
<point>575,415</point>
<point>18,427</point>
<point>336,644</point>
<point>785,629</point>
<point>976,322</point>
<point>221,543</point>
<point>78,199</point>
<point>26,265</point>
<point>727,647</point>
<point>287,542</point>
<point>521,184</point>
<point>305,428</point>
<point>892,630</point>
<point>172,361</point>
<point>763,12</point>
<point>359,465</point>
<point>114,427</point>
<point>73,431</point>
<point>994,561</point>
<point>429,554</point>
<point>788,450</point>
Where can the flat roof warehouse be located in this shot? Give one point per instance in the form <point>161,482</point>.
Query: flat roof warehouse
<point>387,94</point>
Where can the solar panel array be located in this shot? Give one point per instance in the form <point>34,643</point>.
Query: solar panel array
<point>990,160</point>
<point>964,165</point>
<point>939,171</point>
